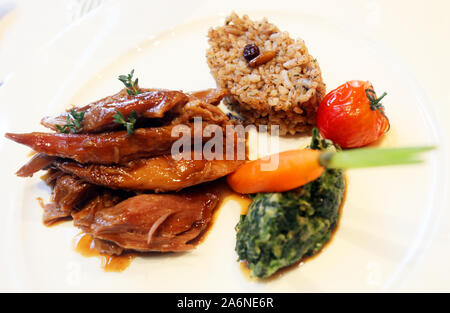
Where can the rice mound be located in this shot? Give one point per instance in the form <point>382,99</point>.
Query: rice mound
<point>285,91</point>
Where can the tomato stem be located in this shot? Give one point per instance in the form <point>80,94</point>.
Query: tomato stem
<point>375,104</point>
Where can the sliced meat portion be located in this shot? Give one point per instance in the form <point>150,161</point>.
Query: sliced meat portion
<point>51,177</point>
<point>117,147</point>
<point>68,193</point>
<point>153,222</point>
<point>38,162</point>
<point>212,96</point>
<point>98,116</point>
<point>53,214</point>
<point>86,216</point>
<point>105,148</point>
<point>197,108</point>
<point>161,173</point>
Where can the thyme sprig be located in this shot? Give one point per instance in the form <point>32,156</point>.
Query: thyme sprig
<point>73,122</point>
<point>129,125</point>
<point>375,103</point>
<point>132,86</point>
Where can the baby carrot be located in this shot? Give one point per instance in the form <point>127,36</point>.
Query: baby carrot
<point>296,168</point>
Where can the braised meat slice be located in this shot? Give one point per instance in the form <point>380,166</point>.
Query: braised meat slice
<point>38,162</point>
<point>98,116</point>
<point>86,216</point>
<point>68,194</point>
<point>199,109</point>
<point>152,222</point>
<point>212,96</point>
<point>150,103</point>
<point>105,148</point>
<point>162,173</point>
<point>119,147</point>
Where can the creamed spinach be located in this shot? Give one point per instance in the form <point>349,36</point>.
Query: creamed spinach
<point>281,228</point>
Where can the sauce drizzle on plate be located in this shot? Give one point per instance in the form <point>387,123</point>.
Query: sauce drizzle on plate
<point>84,244</point>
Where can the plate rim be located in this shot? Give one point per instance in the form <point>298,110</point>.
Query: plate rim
<point>431,115</point>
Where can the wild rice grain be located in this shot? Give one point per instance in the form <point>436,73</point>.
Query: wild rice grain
<point>284,91</point>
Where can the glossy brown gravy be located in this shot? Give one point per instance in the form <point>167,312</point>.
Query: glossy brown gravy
<point>225,193</point>
<point>246,271</point>
<point>84,244</point>
<point>41,202</point>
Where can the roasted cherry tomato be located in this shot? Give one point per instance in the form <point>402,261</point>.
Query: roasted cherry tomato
<point>352,115</point>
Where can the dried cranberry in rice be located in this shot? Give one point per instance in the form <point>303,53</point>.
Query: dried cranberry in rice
<point>251,51</point>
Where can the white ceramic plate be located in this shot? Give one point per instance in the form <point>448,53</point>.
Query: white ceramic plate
<point>388,216</point>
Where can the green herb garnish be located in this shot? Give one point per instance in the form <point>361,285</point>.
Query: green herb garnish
<point>129,125</point>
<point>132,86</point>
<point>73,124</point>
<point>371,157</point>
